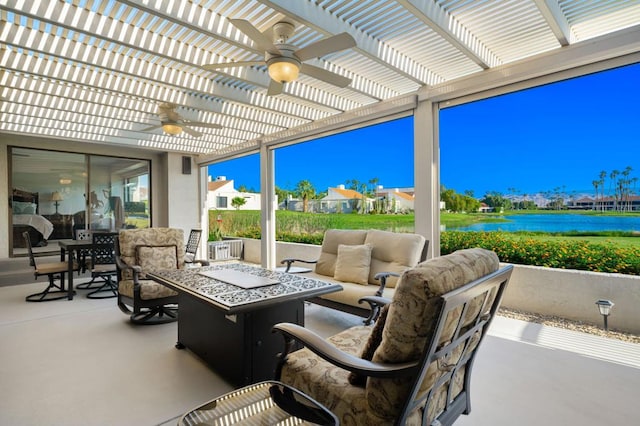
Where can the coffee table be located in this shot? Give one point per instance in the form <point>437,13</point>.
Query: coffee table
<point>229,327</point>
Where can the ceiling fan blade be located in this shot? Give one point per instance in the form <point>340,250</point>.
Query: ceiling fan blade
<point>326,76</point>
<point>151,128</point>
<point>322,47</point>
<point>191,132</point>
<point>214,67</point>
<point>261,40</point>
<point>275,88</point>
<point>205,125</point>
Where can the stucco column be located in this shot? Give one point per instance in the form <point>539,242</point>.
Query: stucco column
<point>427,175</point>
<point>267,207</point>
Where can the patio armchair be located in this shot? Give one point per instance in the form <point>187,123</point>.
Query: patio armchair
<point>414,365</point>
<point>53,271</point>
<point>139,251</point>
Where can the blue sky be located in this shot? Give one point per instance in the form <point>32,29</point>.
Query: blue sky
<point>554,136</point>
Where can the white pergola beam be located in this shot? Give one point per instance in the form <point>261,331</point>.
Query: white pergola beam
<point>553,15</point>
<point>451,30</point>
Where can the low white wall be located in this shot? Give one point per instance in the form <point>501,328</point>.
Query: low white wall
<point>563,293</point>
<point>572,294</point>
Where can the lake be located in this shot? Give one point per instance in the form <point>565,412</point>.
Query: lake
<point>557,223</point>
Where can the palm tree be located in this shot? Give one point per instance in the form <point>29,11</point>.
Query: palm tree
<point>305,190</point>
<point>595,184</point>
<point>238,202</point>
<point>603,176</point>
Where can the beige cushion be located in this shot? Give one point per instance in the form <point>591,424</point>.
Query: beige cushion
<point>129,239</point>
<point>393,252</point>
<point>413,313</point>
<point>154,258</point>
<point>352,264</point>
<point>149,290</point>
<point>332,239</point>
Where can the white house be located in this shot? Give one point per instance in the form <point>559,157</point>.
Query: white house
<point>396,200</point>
<point>220,193</point>
<point>341,200</point>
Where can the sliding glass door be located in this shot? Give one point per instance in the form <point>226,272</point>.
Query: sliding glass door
<point>54,194</point>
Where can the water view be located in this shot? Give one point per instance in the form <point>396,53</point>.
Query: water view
<point>557,223</point>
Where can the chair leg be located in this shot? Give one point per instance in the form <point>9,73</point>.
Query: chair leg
<point>156,315</point>
<point>52,292</point>
<point>108,286</point>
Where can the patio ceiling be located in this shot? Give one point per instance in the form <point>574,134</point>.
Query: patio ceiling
<point>97,71</point>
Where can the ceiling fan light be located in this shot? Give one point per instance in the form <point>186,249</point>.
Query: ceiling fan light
<point>284,70</point>
<point>172,128</point>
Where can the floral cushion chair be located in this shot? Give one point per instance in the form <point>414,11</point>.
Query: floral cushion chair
<point>139,251</point>
<point>414,365</point>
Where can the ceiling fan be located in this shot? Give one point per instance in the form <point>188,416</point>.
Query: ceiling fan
<point>284,61</point>
<point>173,123</point>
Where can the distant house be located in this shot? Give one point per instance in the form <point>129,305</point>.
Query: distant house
<point>630,203</point>
<point>485,208</point>
<point>396,200</point>
<point>221,191</point>
<point>341,200</point>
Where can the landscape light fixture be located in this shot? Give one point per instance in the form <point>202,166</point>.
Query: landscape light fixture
<point>605,308</point>
<point>56,197</point>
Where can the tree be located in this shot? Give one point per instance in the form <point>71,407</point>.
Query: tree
<point>238,202</point>
<point>497,201</point>
<point>305,190</point>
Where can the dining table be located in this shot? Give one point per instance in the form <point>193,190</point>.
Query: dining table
<point>67,250</point>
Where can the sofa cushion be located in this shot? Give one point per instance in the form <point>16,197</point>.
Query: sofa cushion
<point>412,317</point>
<point>393,252</point>
<point>352,263</point>
<point>332,239</point>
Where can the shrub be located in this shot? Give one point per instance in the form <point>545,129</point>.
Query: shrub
<point>568,254</point>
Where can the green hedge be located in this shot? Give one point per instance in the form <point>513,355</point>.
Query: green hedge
<point>553,254</point>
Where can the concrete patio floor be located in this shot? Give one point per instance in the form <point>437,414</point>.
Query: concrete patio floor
<point>81,362</point>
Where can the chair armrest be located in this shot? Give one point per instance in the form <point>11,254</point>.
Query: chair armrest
<point>375,300</point>
<point>382,277</point>
<point>330,353</point>
<point>135,269</point>
<point>375,303</point>
<point>290,261</point>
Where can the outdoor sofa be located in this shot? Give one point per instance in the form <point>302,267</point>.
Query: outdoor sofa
<point>366,263</point>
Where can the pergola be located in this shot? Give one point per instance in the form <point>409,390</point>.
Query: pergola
<point>97,71</point>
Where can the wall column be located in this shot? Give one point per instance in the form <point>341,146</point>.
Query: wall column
<point>267,208</point>
<point>427,175</point>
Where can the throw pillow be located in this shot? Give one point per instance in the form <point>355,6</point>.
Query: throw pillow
<point>153,258</point>
<point>352,264</point>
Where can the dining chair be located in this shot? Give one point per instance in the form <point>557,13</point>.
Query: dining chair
<point>103,266</point>
<point>53,270</point>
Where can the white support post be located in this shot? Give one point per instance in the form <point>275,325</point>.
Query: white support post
<point>427,175</point>
<point>268,216</point>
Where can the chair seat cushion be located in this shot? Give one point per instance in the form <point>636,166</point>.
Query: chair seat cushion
<point>329,384</point>
<point>148,289</point>
<point>54,267</point>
